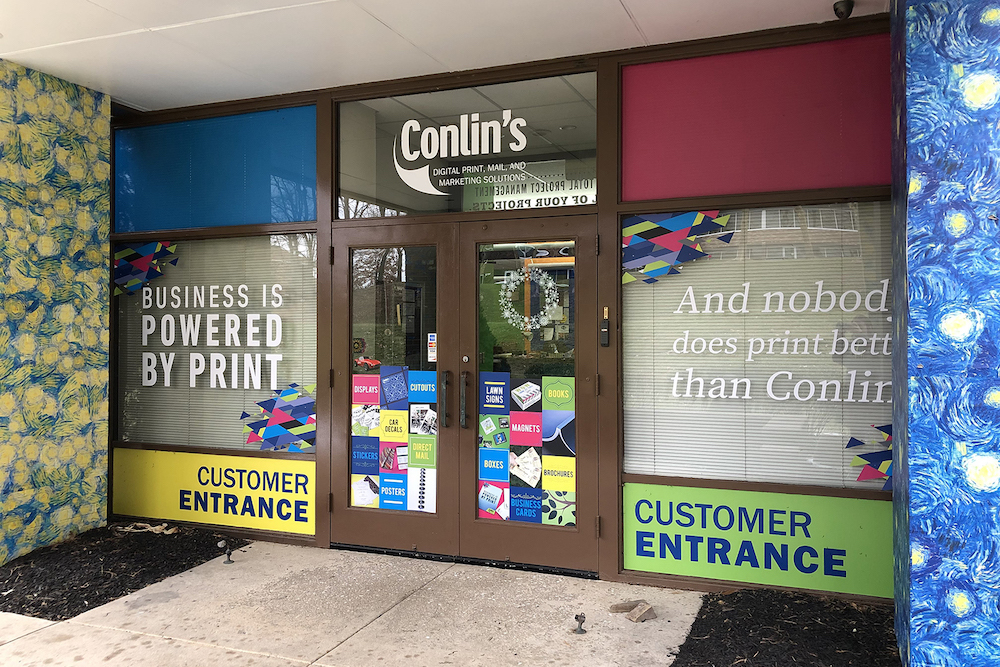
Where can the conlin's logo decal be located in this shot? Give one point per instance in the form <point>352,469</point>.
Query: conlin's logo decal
<point>471,137</point>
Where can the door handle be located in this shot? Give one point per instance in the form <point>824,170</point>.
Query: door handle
<point>462,421</point>
<point>443,408</point>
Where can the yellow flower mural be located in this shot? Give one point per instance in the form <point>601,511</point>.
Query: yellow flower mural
<point>55,142</point>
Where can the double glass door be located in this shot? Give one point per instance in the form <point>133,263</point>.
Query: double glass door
<point>464,416</point>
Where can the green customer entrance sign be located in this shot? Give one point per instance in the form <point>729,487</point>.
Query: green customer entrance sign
<point>822,543</point>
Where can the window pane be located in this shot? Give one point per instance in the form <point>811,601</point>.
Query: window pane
<point>757,344</point>
<point>248,169</point>
<point>519,145</point>
<point>394,409</point>
<point>218,349</point>
<point>526,414</point>
<point>526,308</point>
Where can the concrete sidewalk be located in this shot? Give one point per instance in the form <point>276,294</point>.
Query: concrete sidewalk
<point>282,605</point>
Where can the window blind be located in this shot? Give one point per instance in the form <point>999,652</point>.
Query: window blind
<point>761,360</point>
<point>233,286</point>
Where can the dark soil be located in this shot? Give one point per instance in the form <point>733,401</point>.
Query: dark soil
<point>766,628</point>
<point>99,566</point>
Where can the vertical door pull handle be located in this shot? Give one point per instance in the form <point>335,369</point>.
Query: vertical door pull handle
<point>443,405</point>
<point>462,417</point>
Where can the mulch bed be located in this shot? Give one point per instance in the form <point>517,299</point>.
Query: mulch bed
<point>101,565</point>
<point>767,628</point>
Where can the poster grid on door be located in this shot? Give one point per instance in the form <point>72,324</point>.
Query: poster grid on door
<point>394,440</point>
<point>527,449</point>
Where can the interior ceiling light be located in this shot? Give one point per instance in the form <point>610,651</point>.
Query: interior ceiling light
<point>567,127</point>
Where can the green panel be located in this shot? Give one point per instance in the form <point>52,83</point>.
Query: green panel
<point>423,451</point>
<point>558,393</point>
<point>841,545</point>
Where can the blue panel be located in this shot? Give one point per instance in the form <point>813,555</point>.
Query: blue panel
<point>237,170</point>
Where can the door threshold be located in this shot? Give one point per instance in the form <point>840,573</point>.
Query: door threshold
<point>465,560</point>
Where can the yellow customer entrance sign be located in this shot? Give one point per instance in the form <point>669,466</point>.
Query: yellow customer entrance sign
<point>236,491</point>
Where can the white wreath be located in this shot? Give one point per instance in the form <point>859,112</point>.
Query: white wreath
<point>549,293</point>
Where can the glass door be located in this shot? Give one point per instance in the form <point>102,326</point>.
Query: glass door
<point>528,386</point>
<point>464,398</point>
<point>395,453</point>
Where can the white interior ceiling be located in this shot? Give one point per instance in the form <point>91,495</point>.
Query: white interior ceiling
<point>159,54</point>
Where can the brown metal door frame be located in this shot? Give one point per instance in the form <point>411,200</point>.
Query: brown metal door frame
<point>570,548</point>
<point>436,533</point>
<point>455,529</point>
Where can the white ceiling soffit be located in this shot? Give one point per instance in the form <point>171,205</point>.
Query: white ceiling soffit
<point>159,54</point>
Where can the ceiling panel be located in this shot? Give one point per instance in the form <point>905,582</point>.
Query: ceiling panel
<point>29,24</point>
<point>156,54</point>
<point>665,21</point>
<point>387,108</point>
<point>145,70</point>
<point>159,13</point>
<point>307,47</point>
<point>441,105</point>
<point>467,35</point>
<point>550,116</point>
<point>574,138</point>
<point>526,94</point>
<point>584,84</point>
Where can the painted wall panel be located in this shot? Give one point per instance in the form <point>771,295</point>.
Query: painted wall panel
<point>950,605</point>
<point>54,216</point>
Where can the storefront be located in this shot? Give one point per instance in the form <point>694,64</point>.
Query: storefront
<point>628,314</point>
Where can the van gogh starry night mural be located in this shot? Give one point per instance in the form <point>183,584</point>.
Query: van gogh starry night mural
<point>952,168</point>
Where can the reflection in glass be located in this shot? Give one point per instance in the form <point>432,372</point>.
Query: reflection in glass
<point>527,407</point>
<point>393,306</point>
<point>215,337</point>
<point>244,169</point>
<point>394,405</point>
<point>752,338</point>
<point>526,308</point>
<point>517,145</point>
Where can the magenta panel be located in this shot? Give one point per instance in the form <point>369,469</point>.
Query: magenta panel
<point>790,118</point>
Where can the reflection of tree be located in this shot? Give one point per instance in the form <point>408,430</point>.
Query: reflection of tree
<point>298,245</point>
<point>496,329</point>
<point>370,265</point>
<point>378,278</point>
<point>349,207</point>
<point>291,201</point>
<point>130,405</point>
<point>524,356</point>
<point>487,341</point>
